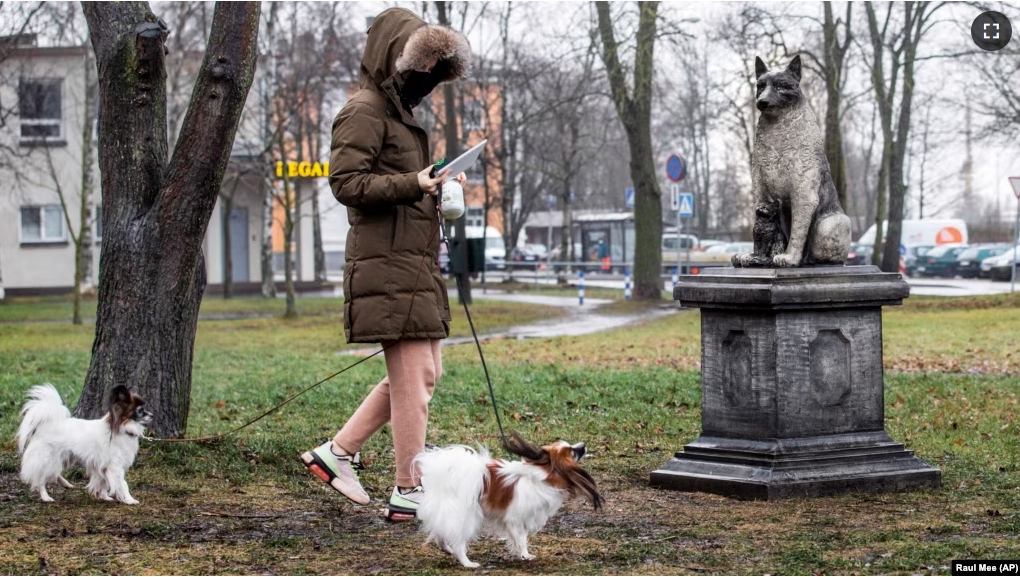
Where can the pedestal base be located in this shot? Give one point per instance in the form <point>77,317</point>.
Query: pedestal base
<point>869,462</point>
<point>792,386</point>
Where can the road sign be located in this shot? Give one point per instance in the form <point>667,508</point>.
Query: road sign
<point>628,197</point>
<point>686,204</point>
<point>1015,182</point>
<point>674,197</point>
<point>676,168</point>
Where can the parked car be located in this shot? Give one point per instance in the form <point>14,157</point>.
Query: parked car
<point>859,254</point>
<point>671,244</point>
<point>1001,267</point>
<point>529,253</point>
<point>939,261</point>
<point>913,256</point>
<point>724,252</point>
<point>968,262</point>
<point>993,261</point>
<point>707,243</point>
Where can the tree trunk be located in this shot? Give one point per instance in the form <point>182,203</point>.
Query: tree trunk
<point>156,212</point>
<point>226,208</point>
<point>319,253</point>
<point>834,54</point>
<point>290,203</point>
<point>266,257</point>
<point>266,183</point>
<point>897,185</point>
<point>884,102</point>
<point>83,248</point>
<point>635,115</point>
<point>452,151</point>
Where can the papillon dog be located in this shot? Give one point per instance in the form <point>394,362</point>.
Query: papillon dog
<point>50,440</point>
<point>467,493</point>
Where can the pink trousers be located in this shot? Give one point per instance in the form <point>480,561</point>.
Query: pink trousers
<point>401,399</point>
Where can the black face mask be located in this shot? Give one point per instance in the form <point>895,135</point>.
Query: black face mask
<point>417,86</point>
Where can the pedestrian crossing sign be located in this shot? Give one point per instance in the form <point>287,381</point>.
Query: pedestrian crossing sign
<point>686,204</point>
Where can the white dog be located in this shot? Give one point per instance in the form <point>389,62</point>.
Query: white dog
<point>50,440</point>
<point>467,493</point>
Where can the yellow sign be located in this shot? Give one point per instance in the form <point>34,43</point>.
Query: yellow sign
<point>302,169</point>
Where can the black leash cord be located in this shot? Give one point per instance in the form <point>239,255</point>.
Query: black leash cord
<point>460,289</point>
<point>485,368</point>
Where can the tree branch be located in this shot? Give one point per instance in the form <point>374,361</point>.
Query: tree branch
<point>204,147</point>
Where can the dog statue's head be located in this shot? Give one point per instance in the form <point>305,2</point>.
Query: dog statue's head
<point>777,89</point>
<point>126,406</point>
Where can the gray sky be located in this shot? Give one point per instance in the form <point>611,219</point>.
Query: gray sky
<point>554,28</point>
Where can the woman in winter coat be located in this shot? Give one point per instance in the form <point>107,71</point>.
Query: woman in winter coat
<point>394,293</point>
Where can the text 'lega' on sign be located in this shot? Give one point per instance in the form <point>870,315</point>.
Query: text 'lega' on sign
<point>302,169</point>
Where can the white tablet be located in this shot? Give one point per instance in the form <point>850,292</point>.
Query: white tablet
<point>464,161</point>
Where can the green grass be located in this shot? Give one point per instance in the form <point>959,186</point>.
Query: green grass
<point>245,505</point>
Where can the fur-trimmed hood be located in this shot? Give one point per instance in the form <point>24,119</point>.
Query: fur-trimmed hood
<point>399,42</point>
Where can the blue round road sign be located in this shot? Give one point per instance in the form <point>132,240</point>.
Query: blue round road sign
<point>676,168</point>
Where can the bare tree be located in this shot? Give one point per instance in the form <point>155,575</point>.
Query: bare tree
<point>690,114</point>
<point>998,97</point>
<point>902,41</point>
<point>834,66</point>
<point>453,139</point>
<point>267,92</point>
<point>634,107</point>
<point>156,210</point>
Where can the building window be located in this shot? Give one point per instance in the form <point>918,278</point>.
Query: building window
<point>475,174</point>
<point>40,109</point>
<point>475,216</point>
<point>40,224</point>
<point>474,115</point>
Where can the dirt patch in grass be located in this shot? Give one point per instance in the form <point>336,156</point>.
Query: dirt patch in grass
<point>297,526</point>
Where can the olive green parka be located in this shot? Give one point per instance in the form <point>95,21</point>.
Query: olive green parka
<point>392,285</point>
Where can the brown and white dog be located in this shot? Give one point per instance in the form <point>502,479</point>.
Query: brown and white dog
<point>50,440</point>
<point>468,493</point>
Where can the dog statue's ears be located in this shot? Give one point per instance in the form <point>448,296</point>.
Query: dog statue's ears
<point>794,67</point>
<point>759,67</point>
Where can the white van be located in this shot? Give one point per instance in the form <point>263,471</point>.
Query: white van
<point>926,232</point>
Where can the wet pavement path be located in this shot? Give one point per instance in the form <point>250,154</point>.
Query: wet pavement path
<point>579,320</point>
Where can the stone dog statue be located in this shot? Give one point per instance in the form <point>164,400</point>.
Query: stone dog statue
<point>798,219</point>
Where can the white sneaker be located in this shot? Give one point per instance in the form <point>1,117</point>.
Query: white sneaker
<point>338,471</point>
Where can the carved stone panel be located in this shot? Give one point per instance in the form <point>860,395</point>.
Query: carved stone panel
<point>736,354</point>
<point>830,367</point>
<point>738,373</point>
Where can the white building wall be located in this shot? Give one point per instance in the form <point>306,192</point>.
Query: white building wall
<point>35,178</point>
<point>50,266</point>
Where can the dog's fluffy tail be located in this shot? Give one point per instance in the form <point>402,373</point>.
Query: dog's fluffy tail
<point>44,407</point>
<point>453,479</point>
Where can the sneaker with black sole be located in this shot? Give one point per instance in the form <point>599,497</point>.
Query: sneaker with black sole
<point>404,506</point>
<point>337,471</point>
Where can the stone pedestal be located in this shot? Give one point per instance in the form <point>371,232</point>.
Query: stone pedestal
<point>792,386</point>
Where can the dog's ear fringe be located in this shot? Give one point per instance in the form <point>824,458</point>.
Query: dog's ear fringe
<point>516,445</point>
<point>579,482</point>
<point>583,483</point>
<point>121,401</point>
